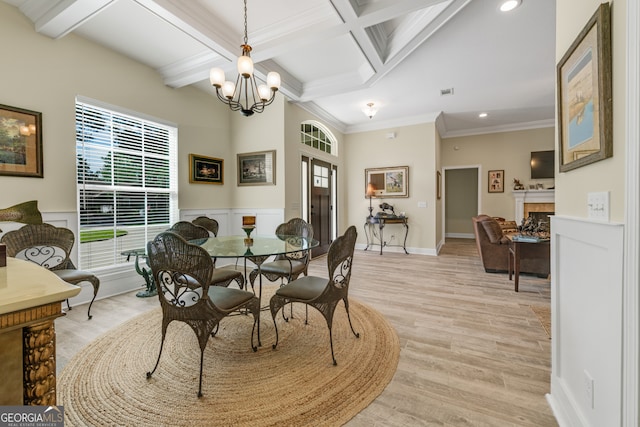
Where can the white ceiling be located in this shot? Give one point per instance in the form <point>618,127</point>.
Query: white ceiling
<point>335,56</point>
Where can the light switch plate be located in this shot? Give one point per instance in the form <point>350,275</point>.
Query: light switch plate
<point>598,205</point>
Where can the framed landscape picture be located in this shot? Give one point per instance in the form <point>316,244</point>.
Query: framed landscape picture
<point>206,170</point>
<point>388,182</point>
<point>496,181</point>
<point>257,168</point>
<point>20,142</point>
<point>585,95</point>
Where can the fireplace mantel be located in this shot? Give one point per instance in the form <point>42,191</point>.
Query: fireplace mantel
<point>531,196</point>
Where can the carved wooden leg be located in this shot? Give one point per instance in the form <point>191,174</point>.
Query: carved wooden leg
<point>39,364</point>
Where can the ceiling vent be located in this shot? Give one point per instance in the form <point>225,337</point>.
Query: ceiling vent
<point>444,92</point>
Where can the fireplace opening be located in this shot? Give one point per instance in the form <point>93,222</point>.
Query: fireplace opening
<point>541,216</point>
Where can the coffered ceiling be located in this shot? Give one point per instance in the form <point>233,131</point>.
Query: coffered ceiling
<point>335,56</point>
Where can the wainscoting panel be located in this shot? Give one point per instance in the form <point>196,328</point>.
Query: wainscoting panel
<point>586,307</point>
<point>230,220</point>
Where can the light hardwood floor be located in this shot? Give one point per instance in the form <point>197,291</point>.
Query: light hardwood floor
<point>473,353</point>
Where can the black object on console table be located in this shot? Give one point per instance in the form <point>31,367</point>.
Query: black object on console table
<point>377,223</point>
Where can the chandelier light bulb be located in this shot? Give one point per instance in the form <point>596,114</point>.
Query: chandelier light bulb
<point>228,88</point>
<point>264,92</point>
<point>245,66</point>
<point>216,77</point>
<point>273,80</point>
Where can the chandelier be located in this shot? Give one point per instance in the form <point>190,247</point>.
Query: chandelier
<point>245,95</point>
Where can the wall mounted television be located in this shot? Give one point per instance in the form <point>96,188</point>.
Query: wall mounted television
<point>542,164</point>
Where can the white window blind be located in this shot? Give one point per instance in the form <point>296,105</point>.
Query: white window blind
<point>127,183</point>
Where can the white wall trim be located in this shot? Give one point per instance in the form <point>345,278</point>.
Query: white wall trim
<point>631,307</point>
<point>460,235</point>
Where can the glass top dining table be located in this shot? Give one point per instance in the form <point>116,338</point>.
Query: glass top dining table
<point>257,251</point>
<point>261,246</point>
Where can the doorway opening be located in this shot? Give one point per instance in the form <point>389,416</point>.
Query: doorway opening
<point>462,200</point>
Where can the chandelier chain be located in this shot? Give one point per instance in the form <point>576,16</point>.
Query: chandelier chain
<point>246,39</point>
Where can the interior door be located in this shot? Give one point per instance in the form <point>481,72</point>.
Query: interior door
<point>320,207</point>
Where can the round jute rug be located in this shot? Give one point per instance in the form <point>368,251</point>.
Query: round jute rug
<point>294,385</point>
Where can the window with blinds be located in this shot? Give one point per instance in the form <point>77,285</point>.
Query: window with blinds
<point>127,183</point>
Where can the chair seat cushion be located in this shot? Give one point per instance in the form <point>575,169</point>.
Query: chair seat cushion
<point>74,276</point>
<point>283,267</point>
<point>228,298</point>
<point>303,289</point>
<point>224,274</point>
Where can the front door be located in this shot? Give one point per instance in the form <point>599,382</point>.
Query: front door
<point>320,205</point>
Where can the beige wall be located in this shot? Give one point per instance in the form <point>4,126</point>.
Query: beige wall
<point>45,75</point>
<point>260,132</point>
<point>606,175</point>
<point>413,146</point>
<point>508,151</point>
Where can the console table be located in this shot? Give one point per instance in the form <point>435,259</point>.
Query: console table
<point>30,300</point>
<point>374,223</point>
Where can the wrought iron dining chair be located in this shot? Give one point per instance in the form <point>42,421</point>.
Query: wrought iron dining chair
<point>209,223</point>
<point>222,276</point>
<point>212,226</point>
<point>322,293</point>
<point>50,247</point>
<point>291,265</point>
<point>183,274</point>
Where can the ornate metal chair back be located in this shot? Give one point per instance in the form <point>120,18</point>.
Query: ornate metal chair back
<point>340,259</point>
<point>295,230</point>
<point>189,231</point>
<point>182,271</point>
<point>209,223</point>
<point>43,244</point>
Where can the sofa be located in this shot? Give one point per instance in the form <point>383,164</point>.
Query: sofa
<point>493,248</point>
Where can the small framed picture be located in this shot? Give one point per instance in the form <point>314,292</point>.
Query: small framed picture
<point>496,181</point>
<point>206,170</point>
<point>258,168</point>
<point>20,142</point>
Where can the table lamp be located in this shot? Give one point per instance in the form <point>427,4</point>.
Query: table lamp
<point>371,191</point>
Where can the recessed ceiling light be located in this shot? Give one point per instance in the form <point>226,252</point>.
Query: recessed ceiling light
<point>509,5</point>
<point>483,115</point>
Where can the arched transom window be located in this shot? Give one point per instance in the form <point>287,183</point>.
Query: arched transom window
<point>317,136</point>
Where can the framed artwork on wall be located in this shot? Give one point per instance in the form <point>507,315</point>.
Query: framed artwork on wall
<point>585,128</point>
<point>20,142</point>
<point>496,181</point>
<point>388,182</point>
<point>206,170</point>
<point>257,168</point>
